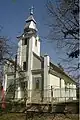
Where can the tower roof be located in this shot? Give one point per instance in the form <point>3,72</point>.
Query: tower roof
<point>30,18</point>
<point>30,21</point>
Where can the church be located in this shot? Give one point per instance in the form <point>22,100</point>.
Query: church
<point>33,75</point>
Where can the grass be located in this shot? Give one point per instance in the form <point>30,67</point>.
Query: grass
<point>21,116</point>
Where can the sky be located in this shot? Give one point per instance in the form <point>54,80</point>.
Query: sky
<point>13,14</point>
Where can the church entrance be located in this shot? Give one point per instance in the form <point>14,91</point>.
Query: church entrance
<point>36,91</point>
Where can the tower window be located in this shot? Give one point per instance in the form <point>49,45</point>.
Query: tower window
<point>24,66</point>
<point>24,41</point>
<point>35,42</point>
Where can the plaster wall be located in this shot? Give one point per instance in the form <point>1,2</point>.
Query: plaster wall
<point>19,52</point>
<point>67,95</point>
<point>30,64</point>
<point>18,92</point>
<point>37,77</point>
<point>32,25</point>
<point>36,93</point>
<point>62,83</point>
<point>71,90</point>
<point>24,50</point>
<point>36,63</point>
<point>46,77</point>
<point>74,92</point>
<point>62,90</point>
<point>5,82</point>
<point>36,49</point>
<point>55,83</point>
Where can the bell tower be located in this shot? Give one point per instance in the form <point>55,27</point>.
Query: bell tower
<point>31,29</point>
<point>29,43</point>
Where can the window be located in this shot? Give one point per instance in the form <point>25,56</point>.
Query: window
<point>37,84</point>
<point>24,85</point>
<point>60,82</point>
<point>24,66</point>
<point>24,41</point>
<point>36,42</point>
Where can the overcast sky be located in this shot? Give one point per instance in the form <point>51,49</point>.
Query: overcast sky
<point>13,14</point>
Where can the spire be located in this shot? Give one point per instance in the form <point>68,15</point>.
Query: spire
<point>30,21</point>
<point>31,18</point>
<point>31,10</point>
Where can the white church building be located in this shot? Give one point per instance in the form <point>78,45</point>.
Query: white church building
<point>33,75</point>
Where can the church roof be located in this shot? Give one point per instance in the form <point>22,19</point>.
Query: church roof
<point>30,22</point>
<point>30,18</point>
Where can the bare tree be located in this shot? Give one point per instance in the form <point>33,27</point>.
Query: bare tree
<point>64,31</point>
<point>4,49</point>
<point>5,53</point>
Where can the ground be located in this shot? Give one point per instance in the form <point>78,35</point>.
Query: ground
<point>21,116</point>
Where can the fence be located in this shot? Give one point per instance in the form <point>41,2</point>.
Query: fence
<point>45,96</point>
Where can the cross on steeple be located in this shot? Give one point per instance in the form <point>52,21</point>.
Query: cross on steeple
<point>31,10</point>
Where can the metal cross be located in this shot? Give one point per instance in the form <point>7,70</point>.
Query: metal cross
<point>31,10</point>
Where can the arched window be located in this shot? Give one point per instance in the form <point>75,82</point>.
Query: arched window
<point>36,42</point>
<point>24,66</point>
<point>37,84</point>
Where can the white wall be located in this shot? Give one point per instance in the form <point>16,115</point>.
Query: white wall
<point>62,83</point>
<point>36,49</point>
<point>32,25</point>
<point>30,64</point>
<point>74,92</point>
<point>36,63</point>
<point>64,94</point>
<point>19,52</point>
<point>22,52</point>
<point>5,82</point>
<point>55,83</point>
<point>34,80</point>
<point>46,77</point>
<point>67,94</point>
<point>24,47</point>
<point>62,91</point>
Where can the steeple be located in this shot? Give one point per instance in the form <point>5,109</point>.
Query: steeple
<point>30,22</point>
